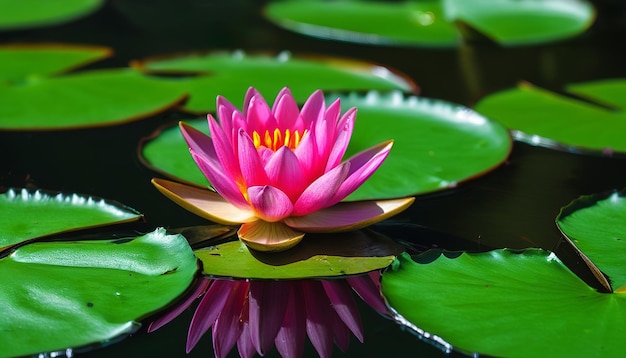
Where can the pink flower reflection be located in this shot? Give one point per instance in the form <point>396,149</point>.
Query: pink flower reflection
<point>259,314</point>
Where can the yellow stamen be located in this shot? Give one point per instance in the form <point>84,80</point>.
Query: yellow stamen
<point>275,139</point>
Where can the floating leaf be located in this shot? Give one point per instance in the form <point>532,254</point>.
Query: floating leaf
<point>30,214</point>
<point>231,74</point>
<point>436,145</point>
<point>540,117</point>
<point>86,99</point>
<point>34,13</point>
<point>58,295</point>
<point>20,62</point>
<point>596,224</point>
<point>318,255</point>
<point>432,22</point>
<point>503,303</point>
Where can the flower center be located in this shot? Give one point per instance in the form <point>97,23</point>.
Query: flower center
<point>276,139</point>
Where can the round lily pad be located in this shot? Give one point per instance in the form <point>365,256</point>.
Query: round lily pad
<point>85,99</point>
<point>437,144</point>
<point>592,122</point>
<point>596,224</point>
<point>27,214</point>
<point>434,22</point>
<point>35,13</point>
<point>231,74</point>
<point>502,303</point>
<point>21,62</point>
<point>318,255</point>
<point>60,295</point>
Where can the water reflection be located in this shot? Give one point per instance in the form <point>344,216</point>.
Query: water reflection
<point>257,315</point>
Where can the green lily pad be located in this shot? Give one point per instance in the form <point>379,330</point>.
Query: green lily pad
<point>596,224</point>
<point>27,214</point>
<point>545,118</point>
<point>318,255</point>
<point>85,99</point>
<point>59,295</point>
<point>436,145</point>
<point>19,62</point>
<point>35,13</point>
<point>231,74</point>
<point>502,303</point>
<point>433,22</point>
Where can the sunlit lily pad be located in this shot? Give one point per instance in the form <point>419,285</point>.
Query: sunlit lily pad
<point>30,214</point>
<point>231,74</point>
<point>434,22</point>
<point>504,304</point>
<point>596,224</point>
<point>541,117</point>
<point>21,62</point>
<point>436,145</point>
<point>324,255</point>
<point>59,295</point>
<point>35,13</point>
<point>85,99</point>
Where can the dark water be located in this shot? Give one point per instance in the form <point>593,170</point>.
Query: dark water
<point>513,206</point>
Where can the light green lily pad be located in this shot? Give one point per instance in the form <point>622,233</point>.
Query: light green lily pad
<point>35,13</point>
<point>502,303</point>
<point>231,74</point>
<point>436,145</point>
<point>27,214</point>
<point>59,295</point>
<point>21,62</point>
<point>86,99</point>
<point>596,224</point>
<point>318,255</point>
<point>434,22</point>
<point>541,117</point>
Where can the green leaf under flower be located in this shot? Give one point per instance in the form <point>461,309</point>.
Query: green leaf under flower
<point>35,13</point>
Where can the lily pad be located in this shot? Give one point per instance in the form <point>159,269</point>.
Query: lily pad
<point>231,74</point>
<point>545,118</point>
<point>434,23</point>
<point>20,62</point>
<point>59,295</point>
<point>85,99</point>
<point>503,303</point>
<point>30,214</point>
<point>437,144</point>
<point>596,224</point>
<point>35,13</point>
<point>318,255</point>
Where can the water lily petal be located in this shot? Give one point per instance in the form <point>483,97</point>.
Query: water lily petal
<point>269,203</point>
<point>227,327</point>
<point>201,286</point>
<point>345,127</point>
<point>244,344</point>
<point>292,334</point>
<point>362,166</point>
<point>258,114</point>
<point>313,109</point>
<point>368,288</point>
<point>325,129</point>
<point>348,216</point>
<point>203,152</point>
<point>341,333</point>
<point>267,303</point>
<point>264,236</point>
<point>250,161</point>
<point>317,195</point>
<point>340,296</point>
<point>204,203</point>
<point>306,152</point>
<point>317,312</point>
<point>284,171</point>
<point>209,307</point>
<point>224,149</point>
<point>286,111</point>
<point>225,111</point>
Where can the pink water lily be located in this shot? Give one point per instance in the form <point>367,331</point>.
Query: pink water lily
<point>256,315</point>
<point>279,171</point>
